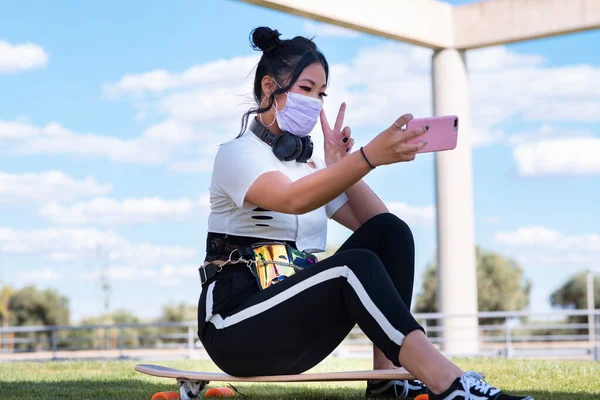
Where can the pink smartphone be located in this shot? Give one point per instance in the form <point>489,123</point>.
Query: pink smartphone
<point>442,134</point>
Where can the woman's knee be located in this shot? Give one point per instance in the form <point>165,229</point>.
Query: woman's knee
<point>359,258</point>
<point>392,224</point>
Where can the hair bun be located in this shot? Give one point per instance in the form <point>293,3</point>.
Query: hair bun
<point>266,39</point>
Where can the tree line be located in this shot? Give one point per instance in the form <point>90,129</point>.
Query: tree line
<point>30,306</point>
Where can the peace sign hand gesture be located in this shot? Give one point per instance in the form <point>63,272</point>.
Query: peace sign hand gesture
<point>338,142</point>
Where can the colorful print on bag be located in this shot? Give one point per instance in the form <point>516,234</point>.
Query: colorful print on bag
<point>274,262</point>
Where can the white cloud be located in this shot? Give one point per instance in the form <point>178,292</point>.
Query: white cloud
<point>212,75</point>
<point>215,94</point>
<point>222,106</point>
<point>541,245</point>
<point>59,244</point>
<point>534,92</point>
<point>380,84</point>
<point>555,157</point>
<point>148,253</point>
<point>322,29</point>
<point>499,58</point>
<point>552,150</point>
<point>53,242</point>
<point>21,57</point>
<point>48,186</point>
<point>482,138</point>
<point>412,215</point>
<point>204,200</point>
<point>17,130</point>
<point>156,145</point>
<point>111,211</point>
<point>191,167</point>
<point>383,82</point>
<point>58,256</point>
<point>89,144</point>
<point>569,261</point>
<point>202,106</point>
<point>543,132</point>
<point>167,275</point>
<point>37,276</point>
<point>530,236</point>
<point>170,133</point>
<point>153,81</point>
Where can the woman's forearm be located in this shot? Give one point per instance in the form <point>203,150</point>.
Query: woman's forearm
<point>319,188</point>
<point>276,192</point>
<point>364,202</point>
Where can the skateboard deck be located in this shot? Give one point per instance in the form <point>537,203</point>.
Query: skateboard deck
<point>192,383</point>
<point>166,372</point>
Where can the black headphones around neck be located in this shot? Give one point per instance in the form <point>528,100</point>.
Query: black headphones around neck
<point>285,146</point>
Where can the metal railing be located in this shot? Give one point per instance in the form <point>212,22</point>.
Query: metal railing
<point>500,334</point>
<point>99,337</point>
<point>522,334</point>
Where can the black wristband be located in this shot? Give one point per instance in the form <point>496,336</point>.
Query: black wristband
<point>365,157</point>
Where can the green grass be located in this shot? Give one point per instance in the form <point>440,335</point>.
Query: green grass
<point>564,380</point>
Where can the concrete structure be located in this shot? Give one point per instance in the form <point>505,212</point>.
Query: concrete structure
<point>450,31</point>
<point>457,272</point>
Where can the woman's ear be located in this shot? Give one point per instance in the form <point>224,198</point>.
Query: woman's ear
<point>268,85</point>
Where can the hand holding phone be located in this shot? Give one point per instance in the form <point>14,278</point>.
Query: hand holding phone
<point>442,134</point>
<point>408,136</point>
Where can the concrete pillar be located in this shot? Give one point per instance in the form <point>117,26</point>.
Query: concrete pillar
<point>457,289</point>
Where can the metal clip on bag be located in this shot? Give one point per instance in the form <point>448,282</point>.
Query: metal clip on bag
<point>273,262</point>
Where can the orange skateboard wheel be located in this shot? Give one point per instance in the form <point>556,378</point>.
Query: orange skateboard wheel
<point>165,396</point>
<point>227,392</point>
<point>219,392</point>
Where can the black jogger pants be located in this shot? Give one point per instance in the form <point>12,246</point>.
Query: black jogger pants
<point>293,325</point>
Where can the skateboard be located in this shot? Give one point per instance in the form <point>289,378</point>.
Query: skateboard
<point>192,383</point>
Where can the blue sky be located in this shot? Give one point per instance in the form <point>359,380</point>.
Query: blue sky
<point>110,115</point>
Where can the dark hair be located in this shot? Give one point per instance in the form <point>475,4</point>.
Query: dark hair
<point>284,60</point>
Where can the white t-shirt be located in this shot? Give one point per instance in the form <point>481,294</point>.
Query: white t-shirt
<point>238,164</point>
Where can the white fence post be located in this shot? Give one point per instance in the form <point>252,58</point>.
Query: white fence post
<point>190,331</point>
<point>121,344</point>
<point>507,334</point>
<point>591,305</point>
<point>53,343</point>
<point>596,345</point>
